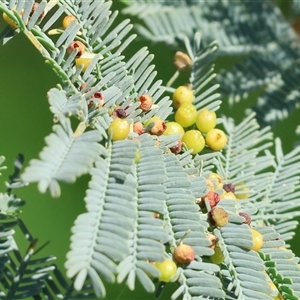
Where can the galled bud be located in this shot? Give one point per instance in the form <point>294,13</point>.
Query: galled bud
<point>138,128</point>
<point>98,96</point>
<point>155,126</point>
<point>84,60</point>
<point>182,61</point>
<point>76,45</point>
<point>119,112</point>
<point>246,217</point>
<point>216,177</point>
<point>229,187</point>
<point>213,240</point>
<point>218,217</point>
<point>184,254</point>
<point>67,21</point>
<point>212,197</point>
<point>257,240</point>
<point>177,148</point>
<point>146,102</point>
<point>168,270</point>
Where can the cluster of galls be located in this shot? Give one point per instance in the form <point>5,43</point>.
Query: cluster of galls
<point>219,217</point>
<point>196,128</point>
<point>154,125</point>
<point>119,128</point>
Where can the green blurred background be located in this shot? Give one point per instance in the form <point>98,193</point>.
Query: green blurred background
<point>25,119</point>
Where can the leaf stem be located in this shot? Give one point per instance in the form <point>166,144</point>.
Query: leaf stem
<point>173,78</point>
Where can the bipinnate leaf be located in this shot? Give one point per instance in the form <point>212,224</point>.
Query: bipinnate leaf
<point>146,241</point>
<point>65,157</point>
<point>100,235</point>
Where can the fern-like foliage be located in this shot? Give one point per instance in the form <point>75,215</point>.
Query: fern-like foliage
<point>142,200</point>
